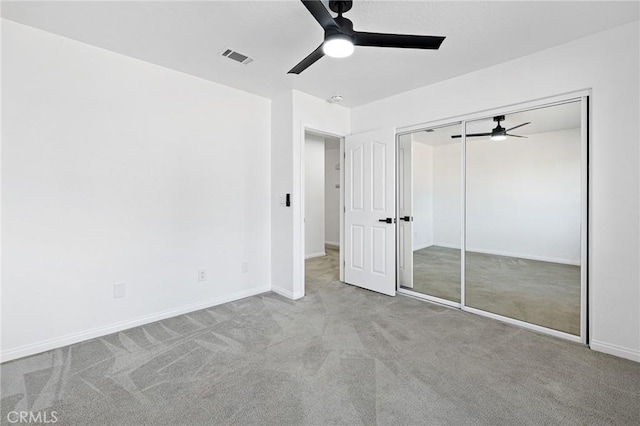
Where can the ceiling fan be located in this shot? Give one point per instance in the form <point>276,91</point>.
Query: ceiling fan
<point>499,133</point>
<point>340,38</point>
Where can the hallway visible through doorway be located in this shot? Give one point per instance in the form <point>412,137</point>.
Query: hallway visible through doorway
<point>322,208</point>
<point>323,270</point>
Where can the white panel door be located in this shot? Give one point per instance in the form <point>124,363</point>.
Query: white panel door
<point>370,231</point>
<point>405,211</point>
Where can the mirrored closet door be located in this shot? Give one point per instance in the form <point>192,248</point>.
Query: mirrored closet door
<point>523,216</point>
<point>429,211</point>
<point>492,219</point>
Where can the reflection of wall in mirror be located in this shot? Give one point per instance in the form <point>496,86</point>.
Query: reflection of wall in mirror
<point>422,196</point>
<point>523,197</point>
<point>447,192</point>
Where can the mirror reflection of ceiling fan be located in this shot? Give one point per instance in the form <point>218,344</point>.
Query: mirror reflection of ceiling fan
<point>499,133</point>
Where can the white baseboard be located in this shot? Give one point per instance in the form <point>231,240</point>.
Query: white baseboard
<point>451,246</point>
<point>619,351</point>
<point>286,293</point>
<point>70,339</point>
<point>332,244</point>
<point>516,255</point>
<point>526,256</point>
<point>312,255</point>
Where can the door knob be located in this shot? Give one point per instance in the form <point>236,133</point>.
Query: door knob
<point>387,220</point>
<point>407,218</point>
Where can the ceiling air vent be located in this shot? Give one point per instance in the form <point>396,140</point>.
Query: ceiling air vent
<point>237,56</point>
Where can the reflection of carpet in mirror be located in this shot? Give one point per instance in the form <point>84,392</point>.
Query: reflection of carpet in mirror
<point>436,272</point>
<point>542,293</point>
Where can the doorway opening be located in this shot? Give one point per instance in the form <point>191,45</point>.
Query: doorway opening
<point>322,209</point>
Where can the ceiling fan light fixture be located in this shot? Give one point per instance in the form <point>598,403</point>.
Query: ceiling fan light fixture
<point>338,46</point>
<point>499,133</point>
<point>340,38</point>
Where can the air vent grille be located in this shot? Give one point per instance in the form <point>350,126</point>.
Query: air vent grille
<point>237,56</point>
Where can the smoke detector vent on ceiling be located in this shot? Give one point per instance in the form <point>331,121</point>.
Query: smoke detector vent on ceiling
<point>237,56</point>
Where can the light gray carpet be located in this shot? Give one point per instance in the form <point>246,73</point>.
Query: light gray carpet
<point>341,355</point>
<point>542,293</point>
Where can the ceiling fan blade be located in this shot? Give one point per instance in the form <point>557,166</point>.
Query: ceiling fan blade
<point>472,135</point>
<point>516,136</point>
<point>308,61</point>
<point>519,125</point>
<point>322,15</point>
<point>405,41</point>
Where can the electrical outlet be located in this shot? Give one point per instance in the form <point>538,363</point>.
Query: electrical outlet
<point>245,267</point>
<point>119,290</point>
<point>202,274</point>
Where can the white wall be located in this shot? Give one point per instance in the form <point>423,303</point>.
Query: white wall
<point>314,206</point>
<point>332,193</point>
<point>282,184</point>
<point>116,170</point>
<point>607,63</point>
<point>422,170</point>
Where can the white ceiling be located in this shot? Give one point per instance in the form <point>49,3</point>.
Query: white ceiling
<point>543,120</point>
<point>187,36</point>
